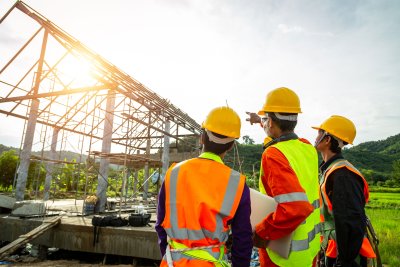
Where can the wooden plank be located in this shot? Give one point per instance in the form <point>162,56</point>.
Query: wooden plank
<point>23,239</point>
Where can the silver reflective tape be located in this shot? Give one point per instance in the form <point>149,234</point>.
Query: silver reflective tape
<point>290,197</point>
<point>184,233</point>
<point>304,244</point>
<point>315,204</point>
<point>227,203</point>
<point>176,255</point>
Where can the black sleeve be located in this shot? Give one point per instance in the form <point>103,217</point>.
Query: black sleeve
<point>348,204</point>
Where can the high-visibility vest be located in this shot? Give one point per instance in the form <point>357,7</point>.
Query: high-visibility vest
<point>303,159</point>
<point>201,196</point>
<point>327,219</point>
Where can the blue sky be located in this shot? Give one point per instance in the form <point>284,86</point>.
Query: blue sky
<point>341,57</point>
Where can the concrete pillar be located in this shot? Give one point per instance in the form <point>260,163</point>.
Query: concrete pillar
<point>135,183</point>
<point>165,155</point>
<point>106,148</point>
<point>22,172</point>
<point>146,165</point>
<point>128,175</point>
<point>50,165</point>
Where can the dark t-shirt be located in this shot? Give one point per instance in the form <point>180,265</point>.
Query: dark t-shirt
<point>345,190</point>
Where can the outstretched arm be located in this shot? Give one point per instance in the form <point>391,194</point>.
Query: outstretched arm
<point>253,118</point>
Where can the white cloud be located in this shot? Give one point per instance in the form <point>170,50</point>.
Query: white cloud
<point>290,29</point>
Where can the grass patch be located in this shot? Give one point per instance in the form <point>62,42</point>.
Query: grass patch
<point>380,200</point>
<point>385,220</point>
<point>380,189</point>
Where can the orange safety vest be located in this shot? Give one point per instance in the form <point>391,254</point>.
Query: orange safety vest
<point>201,196</point>
<point>327,214</point>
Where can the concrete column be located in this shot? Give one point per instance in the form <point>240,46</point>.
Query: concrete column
<point>165,155</point>
<point>128,174</point>
<point>135,183</point>
<point>22,172</point>
<point>146,165</point>
<point>50,165</point>
<point>106,148</point>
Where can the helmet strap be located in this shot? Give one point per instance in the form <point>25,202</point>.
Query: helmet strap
<point>217,139</point>
<point>286,117</point>
<point>340,142</point>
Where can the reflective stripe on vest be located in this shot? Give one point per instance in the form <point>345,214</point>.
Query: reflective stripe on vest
<point>303,160</point>
<point>327,212</point>
<point>178,251</point>
<point>223,206</point>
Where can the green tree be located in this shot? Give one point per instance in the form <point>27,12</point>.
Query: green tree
<point>247,140</point>
<point>396,173</point>
<point>8,166</point>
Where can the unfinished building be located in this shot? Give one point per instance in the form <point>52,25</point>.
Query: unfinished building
<point>70,98</point>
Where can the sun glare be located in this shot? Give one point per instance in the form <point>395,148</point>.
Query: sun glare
<point>76,71</point>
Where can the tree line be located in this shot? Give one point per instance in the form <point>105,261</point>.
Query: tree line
<point>379,161</point>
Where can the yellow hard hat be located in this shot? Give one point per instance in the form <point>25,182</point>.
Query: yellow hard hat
<point>340,127</point>
<point>282,100</point>
<point>223,120</point>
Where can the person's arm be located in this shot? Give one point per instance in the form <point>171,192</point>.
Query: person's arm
<point>279,180</point>
<point>242,244</point>
<point>253,118</point>
<point>348,208</point>
<point>162,235</point>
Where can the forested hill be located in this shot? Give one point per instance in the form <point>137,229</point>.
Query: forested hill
<point>374,159</point>
<point>64,155</point>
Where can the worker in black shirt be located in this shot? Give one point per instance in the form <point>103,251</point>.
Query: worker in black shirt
<point>344,193</point>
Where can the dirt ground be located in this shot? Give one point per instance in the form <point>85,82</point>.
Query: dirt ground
<point>73,260</point>
<point>64,263</point>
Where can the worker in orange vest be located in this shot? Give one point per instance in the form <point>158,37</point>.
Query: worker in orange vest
<point>289,174</point>
<point>344,193</point>
<point>202,201</point>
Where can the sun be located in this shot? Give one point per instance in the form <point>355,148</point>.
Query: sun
<point>76,72</point>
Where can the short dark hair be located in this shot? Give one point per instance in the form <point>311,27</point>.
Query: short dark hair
<point>284,125</point>
<point>334,147</point>
<point>215,148</point>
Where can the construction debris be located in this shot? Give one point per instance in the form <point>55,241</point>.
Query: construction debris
<point>23,239</point>
<point>29,208</point>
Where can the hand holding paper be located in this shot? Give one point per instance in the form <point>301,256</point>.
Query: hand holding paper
<point>261,206</point>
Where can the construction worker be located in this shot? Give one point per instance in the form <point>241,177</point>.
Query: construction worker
<point>202,200</point>
<point>289,174</point>
<point>344,193</point>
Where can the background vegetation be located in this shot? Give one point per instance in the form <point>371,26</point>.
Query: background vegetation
<point>383,210</point>
<point>379,161</point>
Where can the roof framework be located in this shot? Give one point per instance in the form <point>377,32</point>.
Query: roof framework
<point>70,85</point>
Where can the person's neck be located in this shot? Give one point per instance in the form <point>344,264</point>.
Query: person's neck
<point>327,155</point>
<point>220,155</point>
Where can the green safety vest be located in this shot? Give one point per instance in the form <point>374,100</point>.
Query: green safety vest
<point>305,244</point>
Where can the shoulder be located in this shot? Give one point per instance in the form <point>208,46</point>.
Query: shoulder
<point>345,176</point>
<point>303,140</point>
